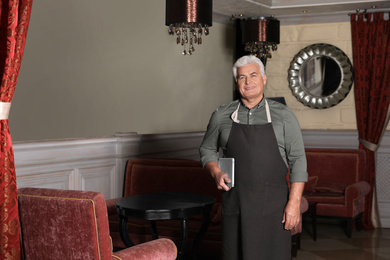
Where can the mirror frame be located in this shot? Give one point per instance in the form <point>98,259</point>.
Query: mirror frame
<point>316,50</point>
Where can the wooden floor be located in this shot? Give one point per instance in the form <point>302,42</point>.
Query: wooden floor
<point>333,244</point>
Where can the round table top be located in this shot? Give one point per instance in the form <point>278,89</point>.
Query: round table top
<point>164,205</point>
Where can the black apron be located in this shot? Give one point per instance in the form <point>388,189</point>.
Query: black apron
<point>252,210</point>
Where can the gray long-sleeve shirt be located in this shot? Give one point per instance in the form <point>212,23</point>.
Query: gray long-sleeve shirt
<point>286,127</point>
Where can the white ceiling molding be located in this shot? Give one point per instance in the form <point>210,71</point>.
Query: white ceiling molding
<point>295,12</point>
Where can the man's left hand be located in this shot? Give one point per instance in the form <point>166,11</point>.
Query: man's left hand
<point>292,212</point>
<point>292,215</point>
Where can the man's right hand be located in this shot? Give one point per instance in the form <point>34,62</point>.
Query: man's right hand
<point>219,176</point>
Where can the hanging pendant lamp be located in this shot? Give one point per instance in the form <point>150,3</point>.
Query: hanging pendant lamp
<point>188,20</point>
<point>261,35</point>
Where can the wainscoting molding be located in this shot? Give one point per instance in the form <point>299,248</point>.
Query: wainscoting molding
<point>98,163</point>
<point>95,163</point>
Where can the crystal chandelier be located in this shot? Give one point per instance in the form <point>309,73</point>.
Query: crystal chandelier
<point>261,35</point>
<point>189,20</point>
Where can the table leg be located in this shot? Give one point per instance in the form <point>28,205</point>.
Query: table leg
<point>314,222</point>
<point>183,239</point>
<point>124,232</point>
<point>153,229</point>
<point>201,232</point>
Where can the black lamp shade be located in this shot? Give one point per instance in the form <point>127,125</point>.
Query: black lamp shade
<point>189,11</point>
<point>265,29</point>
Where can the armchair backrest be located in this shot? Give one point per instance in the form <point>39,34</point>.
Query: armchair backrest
<point>63,224</point>
<point>342,166</point>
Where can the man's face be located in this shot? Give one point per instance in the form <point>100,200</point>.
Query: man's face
<point>250,83</point>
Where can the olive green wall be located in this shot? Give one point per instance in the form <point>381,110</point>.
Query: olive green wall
<point>93,68</point>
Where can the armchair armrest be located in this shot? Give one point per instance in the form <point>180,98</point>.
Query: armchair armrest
<point>357,190</point>
<point>304,205</point>
<point>354,197</point>
<point>159,249</point>
<point>111,209</point>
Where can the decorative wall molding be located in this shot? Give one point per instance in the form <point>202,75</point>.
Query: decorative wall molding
<point>95,163</point>
<point>98,163</point>
<point>330,139</point>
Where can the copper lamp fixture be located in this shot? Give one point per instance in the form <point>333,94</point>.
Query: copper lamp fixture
<point>260,36</point>
<point>188,20</point>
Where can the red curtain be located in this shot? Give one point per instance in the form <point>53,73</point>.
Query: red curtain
<point>371,58</point>
<point>14,21</point>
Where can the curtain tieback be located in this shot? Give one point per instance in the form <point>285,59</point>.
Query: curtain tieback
<point>4,110</point>
<point>370,146</point>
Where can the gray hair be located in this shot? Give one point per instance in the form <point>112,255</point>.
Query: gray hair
<point>246,60</point>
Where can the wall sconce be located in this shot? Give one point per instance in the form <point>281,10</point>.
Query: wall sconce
<point>188,20</point>
<point>260,36</point>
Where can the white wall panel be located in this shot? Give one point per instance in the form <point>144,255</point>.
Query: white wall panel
<point>100,179</point>
<point>55,180</point>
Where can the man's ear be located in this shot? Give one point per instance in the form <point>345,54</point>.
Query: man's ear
<point>235,83</point>
<point>265,79</point>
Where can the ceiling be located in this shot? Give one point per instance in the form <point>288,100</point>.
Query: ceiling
<point>295,11</point>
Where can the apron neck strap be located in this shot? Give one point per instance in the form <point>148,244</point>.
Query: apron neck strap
<point>234,115</point>
<point>267,111</point>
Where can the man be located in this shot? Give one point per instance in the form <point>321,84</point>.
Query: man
<point>264,138</point>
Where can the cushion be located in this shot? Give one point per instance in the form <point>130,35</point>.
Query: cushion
<point>332,187</point>
<point>326,197</point>
<point>311,183</point>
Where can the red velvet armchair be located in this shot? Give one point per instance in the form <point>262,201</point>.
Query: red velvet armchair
<point>336,185</point>
<point>67,224</point>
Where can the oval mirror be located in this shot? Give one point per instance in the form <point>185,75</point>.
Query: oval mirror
<point>320,76</point>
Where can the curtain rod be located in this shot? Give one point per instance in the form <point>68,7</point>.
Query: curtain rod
<point>358,11</point>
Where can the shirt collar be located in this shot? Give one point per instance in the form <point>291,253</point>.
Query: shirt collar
<point>261,104</point>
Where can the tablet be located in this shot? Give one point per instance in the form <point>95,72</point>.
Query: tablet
<point>227,166</point>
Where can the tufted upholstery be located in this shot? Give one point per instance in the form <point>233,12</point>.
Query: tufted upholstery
<point>67,224</point>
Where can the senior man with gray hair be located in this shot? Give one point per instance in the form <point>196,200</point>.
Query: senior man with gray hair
<point>265,140</point>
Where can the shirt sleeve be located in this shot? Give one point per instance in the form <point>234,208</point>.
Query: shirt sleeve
<point>209,148</point>
<point>295,149</point>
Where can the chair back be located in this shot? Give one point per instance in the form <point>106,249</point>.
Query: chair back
<point>336,167</point>
<point>63,224</point>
